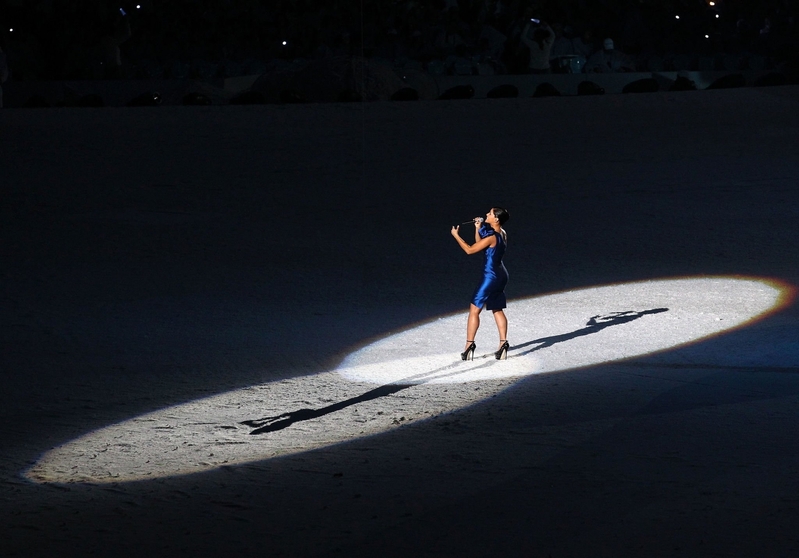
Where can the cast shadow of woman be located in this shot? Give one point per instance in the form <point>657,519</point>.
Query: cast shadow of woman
<point>594,325</point>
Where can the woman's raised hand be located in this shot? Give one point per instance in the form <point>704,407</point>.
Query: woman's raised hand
<point>454,231</point>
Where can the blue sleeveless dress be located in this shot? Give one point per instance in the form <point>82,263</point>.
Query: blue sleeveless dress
<point>491,292</point>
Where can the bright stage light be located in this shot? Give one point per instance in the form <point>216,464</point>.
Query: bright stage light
<point>410,376</point>
<point>556,332</point>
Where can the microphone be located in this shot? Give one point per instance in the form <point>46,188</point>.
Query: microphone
<point>476,222</point>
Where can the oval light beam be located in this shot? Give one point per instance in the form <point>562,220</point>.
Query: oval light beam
<point>410,376</point>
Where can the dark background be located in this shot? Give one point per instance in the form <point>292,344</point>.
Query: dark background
<point>66,39</point>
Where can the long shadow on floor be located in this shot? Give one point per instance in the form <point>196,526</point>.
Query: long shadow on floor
<point>594,325</point>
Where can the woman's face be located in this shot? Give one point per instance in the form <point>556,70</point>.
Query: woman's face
<point>490,217</point>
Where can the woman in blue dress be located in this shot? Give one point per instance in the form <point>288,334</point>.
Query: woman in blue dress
<point>489,236</point>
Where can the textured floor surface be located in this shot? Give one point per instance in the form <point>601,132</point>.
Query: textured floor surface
<point>163,259</point>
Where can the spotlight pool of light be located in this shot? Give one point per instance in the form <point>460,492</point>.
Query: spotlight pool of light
<point>412,375</point>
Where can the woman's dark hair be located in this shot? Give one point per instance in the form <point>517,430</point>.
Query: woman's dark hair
<point>501,214</point>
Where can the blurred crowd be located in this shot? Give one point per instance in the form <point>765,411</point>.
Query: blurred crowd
<point>212,39</point>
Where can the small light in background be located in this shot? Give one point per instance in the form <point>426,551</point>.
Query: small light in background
<point>712,3</point>
<point>707,36</point>
<point>284,43</point>
<point>138,6</point>
<point>717,16</point>
<point>676,17</point>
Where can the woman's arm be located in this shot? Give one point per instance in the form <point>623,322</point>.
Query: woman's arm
<point>478,246</point>
<point>525,39</point>
<point>478,223</point>
<point>550,40</point>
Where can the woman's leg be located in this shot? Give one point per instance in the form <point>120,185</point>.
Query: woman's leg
<point>502,325</point>
<point>472,323</point>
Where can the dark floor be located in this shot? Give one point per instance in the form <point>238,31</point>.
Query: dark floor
<point>154,256</point>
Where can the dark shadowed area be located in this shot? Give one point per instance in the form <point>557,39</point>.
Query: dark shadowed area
<point>154,256</point>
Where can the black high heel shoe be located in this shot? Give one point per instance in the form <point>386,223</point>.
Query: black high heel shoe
<point>468,354</point>
<point>502,353</point>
